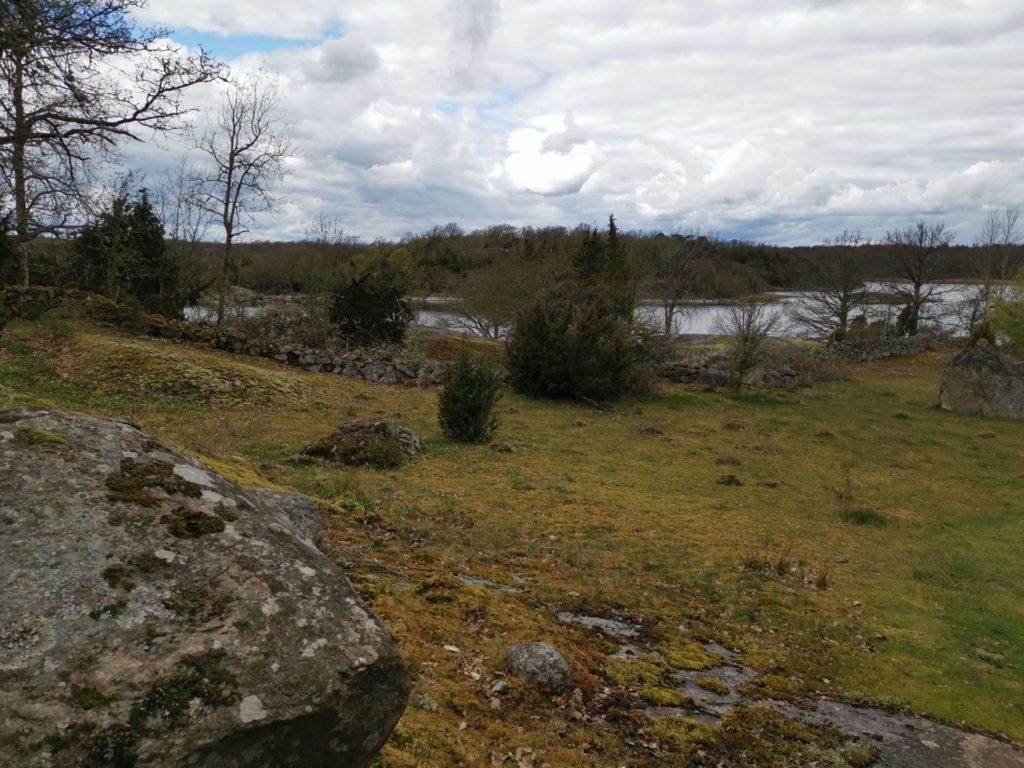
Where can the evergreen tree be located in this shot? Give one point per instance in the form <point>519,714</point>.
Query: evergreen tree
<point>578,339</point>
<point>465,405</point>
<point>601,269</point>
<point>123,256</point>
<point>153,278</point>
<point>371,307</point>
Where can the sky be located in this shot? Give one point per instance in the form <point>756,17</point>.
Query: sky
<point>781,121</point>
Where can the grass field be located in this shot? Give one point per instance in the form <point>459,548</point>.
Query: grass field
<point>849,538</point>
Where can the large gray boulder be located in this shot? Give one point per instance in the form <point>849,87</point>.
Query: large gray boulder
<point>982,381</point>
<point>153,613</point>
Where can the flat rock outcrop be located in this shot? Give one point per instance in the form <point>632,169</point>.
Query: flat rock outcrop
<point>157,614</point>
<point>983,381</point>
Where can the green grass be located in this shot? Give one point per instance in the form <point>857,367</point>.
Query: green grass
<point>602,515</point>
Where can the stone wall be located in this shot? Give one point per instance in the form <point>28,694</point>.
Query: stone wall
<point>386,365</point>
<point>865,350</point>
<point>708,367</point>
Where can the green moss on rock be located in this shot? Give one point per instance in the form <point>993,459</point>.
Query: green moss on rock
<point>712,684</point>
<point>119,577</point>
<point>195,602</point>
<point>200,677</point>
<point>86,697</point>
<point>36,436</point>
<point>646,671</point>
<point>134,483</point>
<point>665,697</point>
<point>110,610</point>
<point>188,523</point>
<point>113,747</point>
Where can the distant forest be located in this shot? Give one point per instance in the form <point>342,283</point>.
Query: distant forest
<point>447,260</point>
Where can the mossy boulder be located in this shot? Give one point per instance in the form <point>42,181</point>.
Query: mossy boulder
<point>157,614</point>
<point>382,444</point>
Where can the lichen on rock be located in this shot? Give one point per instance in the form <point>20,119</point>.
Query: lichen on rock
<point>147,642</point>
<point>984,382</point>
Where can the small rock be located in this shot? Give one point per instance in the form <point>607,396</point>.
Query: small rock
<point>989,656</point>
<point>498,688</point>
<point>540,663</point>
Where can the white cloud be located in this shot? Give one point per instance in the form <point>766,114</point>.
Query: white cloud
<point>783,120</point>
<point>340,60</point>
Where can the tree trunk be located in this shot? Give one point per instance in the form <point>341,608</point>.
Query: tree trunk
<point>225,269</point>
<point>670,312</point>
<point>21,220</point>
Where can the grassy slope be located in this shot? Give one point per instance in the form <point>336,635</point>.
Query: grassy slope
<point>624,513</point>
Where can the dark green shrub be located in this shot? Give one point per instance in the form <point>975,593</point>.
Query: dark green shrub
<point>565,347</point>
<point>465,406</point>
<point>579,338</point>
<point>370,309</point>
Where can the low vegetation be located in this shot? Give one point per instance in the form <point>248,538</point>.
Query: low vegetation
<point>465,405</point>
<point>465,550</point>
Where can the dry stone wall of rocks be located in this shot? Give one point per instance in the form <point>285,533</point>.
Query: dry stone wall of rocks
<point>383,365</point>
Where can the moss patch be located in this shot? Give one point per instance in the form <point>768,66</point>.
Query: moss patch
<point>646,671</point>
<point>774,687</point>
<point>195,602</point>
<point>201,677</point>
<point>712,684</point>
<point>188,523</point>
<point>111,610</point>
<point>113,747</point>
<point>36,436</point>
<point>119,577</point>
<point>145,369</point>
<point>686,654</point>
<point>134,483</point>
<point>665,697</point>
<point>85,697</point>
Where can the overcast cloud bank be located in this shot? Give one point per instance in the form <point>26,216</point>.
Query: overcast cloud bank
<point>777,121</point>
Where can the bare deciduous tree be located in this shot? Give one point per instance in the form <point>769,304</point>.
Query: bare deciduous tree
<point>675,258</point>
<point>75,79</point>
<point>1001,254</point>
<point>747,328</point>
<point>185,226</point>
<point>246,144</point>
<point>826,311</point>
<point>917,256</point>
<point>492,297</point>
<point>326,263</point>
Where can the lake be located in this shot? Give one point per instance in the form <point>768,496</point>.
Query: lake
<point>703,318</point>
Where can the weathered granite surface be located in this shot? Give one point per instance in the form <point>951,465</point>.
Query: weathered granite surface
<point>982,381</point>
<point>155,613</point>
